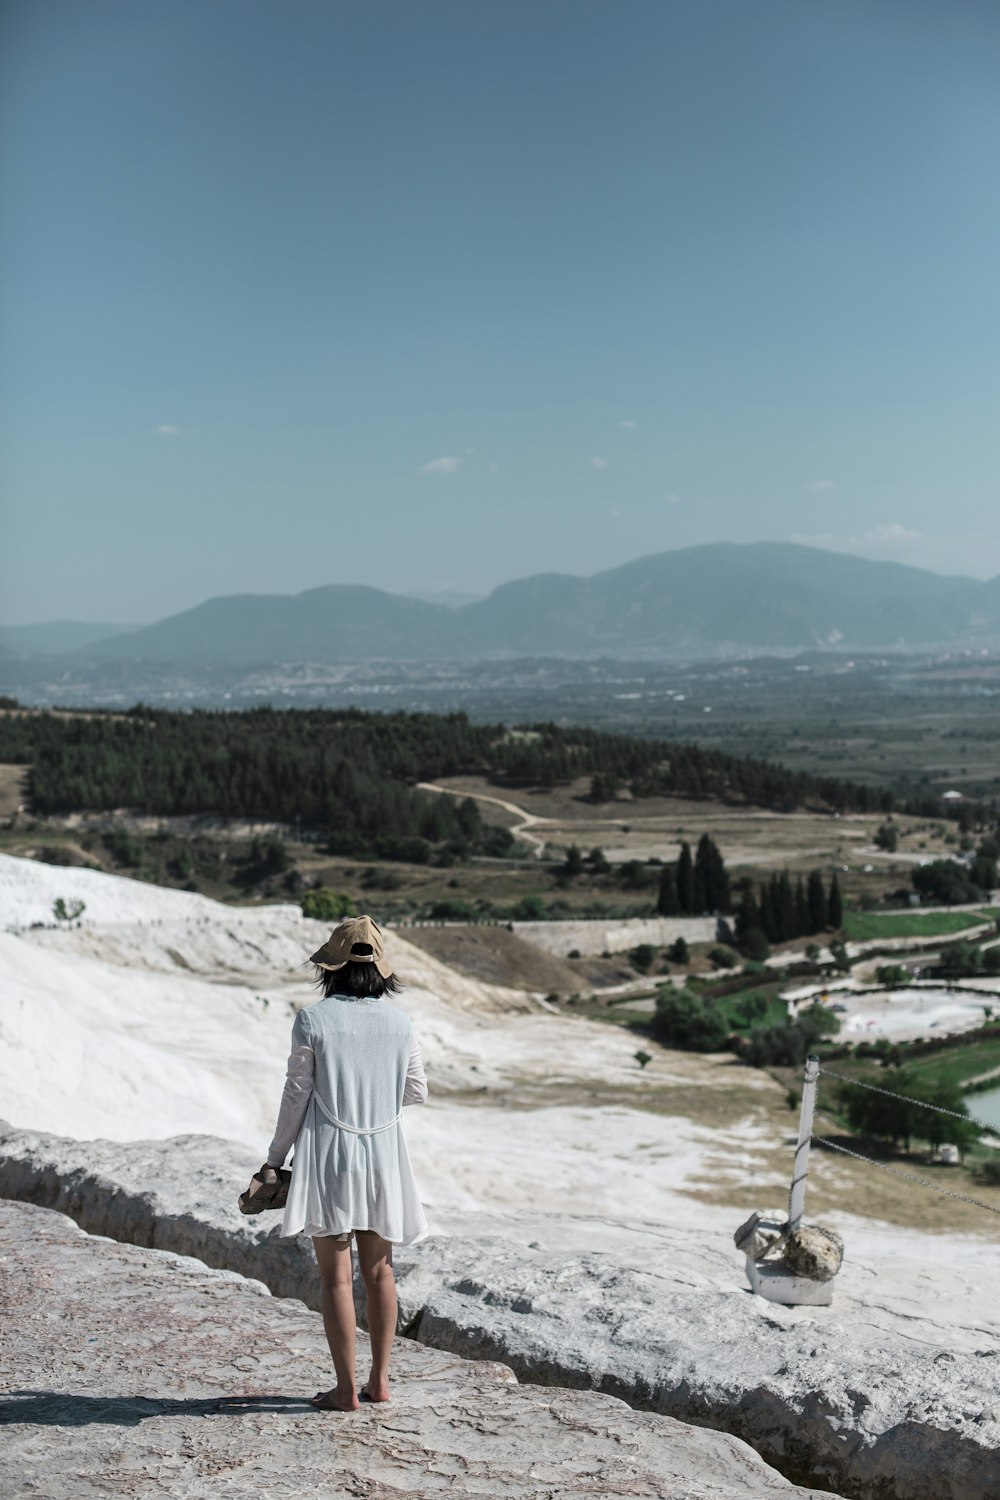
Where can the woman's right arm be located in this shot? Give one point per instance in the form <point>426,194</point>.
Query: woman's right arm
<point>296,1094</point>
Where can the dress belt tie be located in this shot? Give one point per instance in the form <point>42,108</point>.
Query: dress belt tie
<point>355,1129</point>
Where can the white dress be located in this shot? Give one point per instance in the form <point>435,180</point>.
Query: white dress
<point>354,1064</point>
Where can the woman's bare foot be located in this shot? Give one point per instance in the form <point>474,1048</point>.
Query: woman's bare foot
<point>336,1400</point>
<point>376,1390</point>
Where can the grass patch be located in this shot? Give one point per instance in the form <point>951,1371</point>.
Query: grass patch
<point>863,926</point>
<point>958,1064</point>
<point>731,1006</point>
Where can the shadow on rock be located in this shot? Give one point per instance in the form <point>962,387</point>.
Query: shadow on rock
<point>63,1409</point>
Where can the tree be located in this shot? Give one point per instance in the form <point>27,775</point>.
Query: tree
<point>68,911</point>
<point>597,860</point>
<point>816,902</point>
<point>666,901</point>
<point>711,878</point>
<point>755,945</point>
<point>529,909</point>
<point>683,1019</point>
<point>983,872</point>
<point>887,836</point>
<point>784,903</point>
<point>835,906</point>
<point>840,956</point>
<point>678,952</point>
<point>789,1045</point>
<point>685,880</point>
<point>945,881</point>
<point>573,865</point>
<point>642,957</point>
<point>325,905</point>
<point>893,1111</point>
<point>642,1057</point>
<point>960,961</point>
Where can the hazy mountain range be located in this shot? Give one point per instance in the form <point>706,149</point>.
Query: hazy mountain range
<point>697,601</point>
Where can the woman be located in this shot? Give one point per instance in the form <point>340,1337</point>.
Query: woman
<point>354,1064</point>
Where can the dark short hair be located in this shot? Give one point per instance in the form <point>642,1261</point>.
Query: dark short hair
<point>359,980</point>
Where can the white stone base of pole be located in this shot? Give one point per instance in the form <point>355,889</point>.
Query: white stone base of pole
<point>773,1281</point>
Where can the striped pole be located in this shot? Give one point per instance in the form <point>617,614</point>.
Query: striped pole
<point>800,1170</point>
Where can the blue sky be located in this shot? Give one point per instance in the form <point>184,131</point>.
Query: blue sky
<point>437,295</point>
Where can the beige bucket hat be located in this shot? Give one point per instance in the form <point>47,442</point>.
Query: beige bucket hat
<point>336,951</point>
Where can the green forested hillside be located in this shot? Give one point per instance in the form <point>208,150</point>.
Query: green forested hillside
<point>356,771</point>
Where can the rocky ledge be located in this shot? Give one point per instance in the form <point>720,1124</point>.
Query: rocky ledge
<point>138,1372</point>
<point>870,1398</point>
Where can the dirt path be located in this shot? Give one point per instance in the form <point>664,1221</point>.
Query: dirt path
<point>527,820</point>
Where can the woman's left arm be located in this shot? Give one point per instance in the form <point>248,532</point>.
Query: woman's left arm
<point>415,1088</point>
<point>296,1094</point>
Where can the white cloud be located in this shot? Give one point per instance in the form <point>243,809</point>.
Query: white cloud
<point>167,429</point>
<point>628,424</point>
<point>819,486</point>
<point>888,536</point>
<point>893,532</point>
<point>445,465</point>
<point>598,463</point>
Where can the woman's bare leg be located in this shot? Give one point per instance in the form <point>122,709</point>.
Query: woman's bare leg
<point>375,1255</point>
<point>336,1269</point>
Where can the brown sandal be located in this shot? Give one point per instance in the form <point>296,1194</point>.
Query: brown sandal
<point>268,1189</point>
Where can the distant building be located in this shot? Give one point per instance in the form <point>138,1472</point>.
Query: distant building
<point>952,797</point>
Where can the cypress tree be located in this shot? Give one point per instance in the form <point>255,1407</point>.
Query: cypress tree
<point>816,901</point>
<point>747,912</point>
<point>801,909</point>
<point>685,880</point>
<point>836,907</point>
<point>710,869</point>
<point>666,901</point>
<point>785,908</point>
<point>767,921</point>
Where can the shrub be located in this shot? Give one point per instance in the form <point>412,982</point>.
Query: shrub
<point>325,905</point>
<point>683,1019</point>
<point>678,952</point>
<point>989,1171</point>
<point>751,1008</point>
<point>451,911</point>
<point>892,975</point>
<point>886,1116</point>
<point>755,945</point>
<point>528,909</point>
<point>642,957</point>
<point>67,911</point>
<point>124,848</point>
<point>788,1046</point>
<point>723,958</point>
<point>945,881</point>
<point>960,961</point>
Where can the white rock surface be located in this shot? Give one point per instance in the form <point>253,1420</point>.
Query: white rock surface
<point>862,1397</point>
<point>164,1020</point>
<point>137,1373</point>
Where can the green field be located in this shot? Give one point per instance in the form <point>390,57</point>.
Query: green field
<point>958,1064</point>
<point>864,926</point>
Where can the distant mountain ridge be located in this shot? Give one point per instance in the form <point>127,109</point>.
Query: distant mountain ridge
<point>696,601</point>
<point>55,637</point>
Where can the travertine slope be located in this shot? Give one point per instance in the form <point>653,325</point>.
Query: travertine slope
<point>881,1395</point>
<point>137,1373</point>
